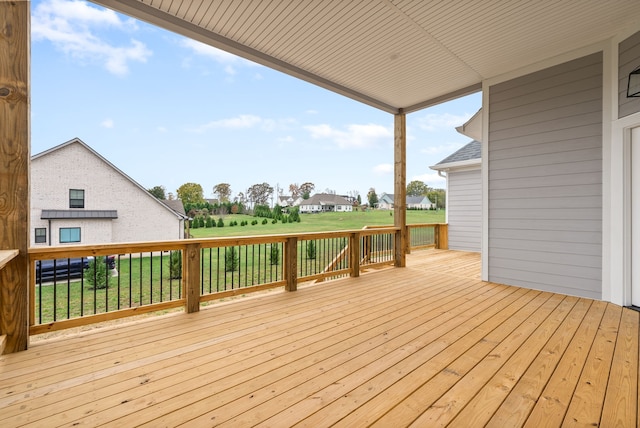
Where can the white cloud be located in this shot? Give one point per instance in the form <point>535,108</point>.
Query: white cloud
<point>432,179</point>
<point>355,136</point>
<point>244,121</point>
<point>433,122</point>
<point>383,169</point>
<point>107,123</point>
<point>230,61</point>
<point>71,26</point>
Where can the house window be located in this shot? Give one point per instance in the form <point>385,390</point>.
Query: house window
<point>69,234</point>
<point>76,198</point>
<point>41,235</point>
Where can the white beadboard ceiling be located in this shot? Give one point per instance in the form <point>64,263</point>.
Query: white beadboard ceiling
<point>391,54</point>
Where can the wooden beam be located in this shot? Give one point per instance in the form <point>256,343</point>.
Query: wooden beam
<point>354,254</point>
<point>14,172</point>
<point>400,187</point>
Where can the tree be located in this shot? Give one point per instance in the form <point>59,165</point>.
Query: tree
<point>359,199</point>
<point>223,190</point>
<point>294,189</point>
<point>190,193</point>
<point>260,193</point>
<point>158,191</point>
<point>231,260</point>
<point>372,197</point>
<point>175,264</point>
<point>306,189</point>
<point>97,274</point>
<point>417,188</point>
<point>438,196</point>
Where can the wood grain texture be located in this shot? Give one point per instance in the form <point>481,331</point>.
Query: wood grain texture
<point>14,171</point>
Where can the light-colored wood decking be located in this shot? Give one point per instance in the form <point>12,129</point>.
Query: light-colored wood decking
<point>428,345</point>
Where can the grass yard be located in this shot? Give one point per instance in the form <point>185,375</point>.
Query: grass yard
<point>322,222</point>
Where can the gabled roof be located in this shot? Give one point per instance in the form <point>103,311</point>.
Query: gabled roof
<point>468,155</point>
<point>325,199</point>
<point>109,164</point>
<point>176,205</point>
<point>409,199</point>
<point>392,54</point>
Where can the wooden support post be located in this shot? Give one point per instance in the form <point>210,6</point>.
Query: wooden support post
<point>408,242</point>
<point>400,187</point>
<point>291,264</point>
<point>442,236</point>
<point>191,276</point>
<point>14,172</point>
<point>354,254</point>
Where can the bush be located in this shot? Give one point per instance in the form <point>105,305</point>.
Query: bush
<point>265,221</point>
<point>200,222</point>
<point>274,254</point>
<point>209,222</point>
<point>97,274</point>
<point>220,222</point>
<point>254,222</point>
<point>311,250</point>
<point>284,219</point>
<point>231,259</point>
<point>274,221</point>
<point>175,265</point>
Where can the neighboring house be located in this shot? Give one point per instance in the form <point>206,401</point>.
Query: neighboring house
<point>94,202</point>
<point>385,202</point>
<point>462,170</point>
<point>286,201</point>
<point>325,202</point>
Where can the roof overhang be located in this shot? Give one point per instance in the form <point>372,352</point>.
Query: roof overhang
<point>473,127</point>
<point>400,55</point>
<point>458,166</point>
<point>79,214</point>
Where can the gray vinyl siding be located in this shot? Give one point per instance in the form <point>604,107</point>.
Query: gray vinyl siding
<point>545,179</point>
<point>628,60</point>
<point>464,209</point>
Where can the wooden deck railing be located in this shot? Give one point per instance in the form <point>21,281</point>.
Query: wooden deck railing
<point>5,257</point>
<point>112,281</point>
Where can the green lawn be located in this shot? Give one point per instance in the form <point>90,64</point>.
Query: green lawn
<point>322,222</point>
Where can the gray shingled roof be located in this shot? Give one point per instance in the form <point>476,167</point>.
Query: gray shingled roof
<point>473,150</point>
<point>66,214</point>
<point>325,199</point>
<point>176,205</point>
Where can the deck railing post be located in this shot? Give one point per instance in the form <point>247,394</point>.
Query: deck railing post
<point>291,263</point>
<point>408,241</point>
<point>354,254</point>
<point>191,277</point>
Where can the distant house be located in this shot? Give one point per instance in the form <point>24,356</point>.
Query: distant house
<point>286,201</point>
<point>385,202</point>
<point>79,197</point>
<point>464,194</point>
<point>325,202</point>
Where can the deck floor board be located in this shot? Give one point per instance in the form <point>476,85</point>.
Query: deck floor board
<point>426,345</point>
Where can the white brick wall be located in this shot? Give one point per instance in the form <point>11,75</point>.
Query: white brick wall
<point>140,216</point>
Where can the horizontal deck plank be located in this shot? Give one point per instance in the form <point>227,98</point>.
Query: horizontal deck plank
<point>428,345</point>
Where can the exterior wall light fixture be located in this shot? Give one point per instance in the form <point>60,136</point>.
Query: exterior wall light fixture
<point>633,86</point>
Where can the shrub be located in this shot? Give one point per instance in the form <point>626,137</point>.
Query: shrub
<point>231,259</point>
<point>209,222</point>
<point>200,222</point>
<point>311,250</point>
<point>274,254</point>
<point>274,221</point>
<point>97,274</point>
<point>220,222</point>
<point>284,219</point>
<point>265,221</point>
<point>254,222</point>
<point>175,265</point>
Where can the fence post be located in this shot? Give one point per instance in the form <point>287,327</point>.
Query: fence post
<point>191,276</point>
<point>291,264</point>
<point>354,254</point>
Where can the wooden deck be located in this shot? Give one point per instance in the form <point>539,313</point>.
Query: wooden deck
<point>426,345</point>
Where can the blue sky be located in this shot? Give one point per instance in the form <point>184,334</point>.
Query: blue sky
<point>167,110</point>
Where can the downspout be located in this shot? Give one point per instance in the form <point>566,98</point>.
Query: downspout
<point>49,220</point>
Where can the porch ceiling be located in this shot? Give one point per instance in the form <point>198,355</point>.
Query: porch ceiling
<point>390,54</point>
